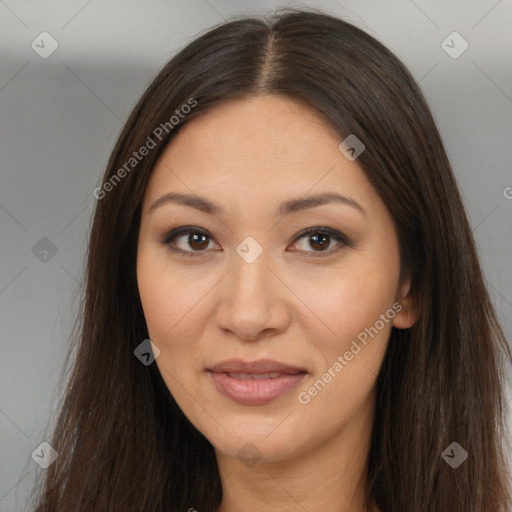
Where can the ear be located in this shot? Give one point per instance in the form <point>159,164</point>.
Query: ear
<point>409,312</point>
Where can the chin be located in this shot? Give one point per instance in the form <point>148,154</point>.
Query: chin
<point>245,436</point>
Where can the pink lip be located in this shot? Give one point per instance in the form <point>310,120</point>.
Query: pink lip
<point>258,366</point>
<point>255,392</point>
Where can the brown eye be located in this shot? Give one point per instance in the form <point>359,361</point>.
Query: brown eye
<point>321,240</point>
<point>188,240</point>
<point>192,241</point>
<point>198,241</point>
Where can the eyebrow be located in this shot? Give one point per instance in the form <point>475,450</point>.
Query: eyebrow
<point>290,206</point>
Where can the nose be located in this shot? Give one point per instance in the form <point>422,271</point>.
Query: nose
<point>253,302</point>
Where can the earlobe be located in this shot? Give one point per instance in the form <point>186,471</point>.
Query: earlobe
<point>409,312</point>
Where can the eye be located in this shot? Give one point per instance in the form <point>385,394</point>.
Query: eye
<point>320,239</point>
<point>189,240</point>
<point>193,241</point>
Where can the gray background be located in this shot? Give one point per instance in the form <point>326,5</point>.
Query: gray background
<point>60,117</point>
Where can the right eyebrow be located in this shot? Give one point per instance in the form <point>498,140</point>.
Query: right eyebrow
<point>194,201</point>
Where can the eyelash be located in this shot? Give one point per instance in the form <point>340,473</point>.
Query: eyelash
<point>321,230</point>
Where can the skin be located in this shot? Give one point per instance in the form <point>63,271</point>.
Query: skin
<point>299,302</point>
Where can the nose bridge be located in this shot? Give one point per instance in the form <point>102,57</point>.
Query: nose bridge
<point>251,287</point>
<point>250,302</point>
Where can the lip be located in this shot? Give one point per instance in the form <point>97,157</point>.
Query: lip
<point>227,379</point>
<point>259,366</point>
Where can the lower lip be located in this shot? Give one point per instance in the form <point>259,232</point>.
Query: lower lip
<point>255,392</point>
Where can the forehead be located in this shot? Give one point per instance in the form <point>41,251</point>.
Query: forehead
<point>263,147</point>
<point>248,125</point>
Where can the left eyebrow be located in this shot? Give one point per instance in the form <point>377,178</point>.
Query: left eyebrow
<point>304,203</point>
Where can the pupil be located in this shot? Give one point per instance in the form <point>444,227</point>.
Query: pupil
<point>313,239</point>
<point>193,239</point>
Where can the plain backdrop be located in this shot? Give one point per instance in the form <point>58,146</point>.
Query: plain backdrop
<point>60,117</point>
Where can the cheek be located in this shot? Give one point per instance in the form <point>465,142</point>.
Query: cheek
<point>356,306</point>
<point>167,297</point>
<point>175,314</point>
<point>350,300</point>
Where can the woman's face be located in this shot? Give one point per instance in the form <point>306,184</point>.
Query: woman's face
<point>240,292</point>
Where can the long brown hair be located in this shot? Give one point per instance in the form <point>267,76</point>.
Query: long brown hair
<point>125,445</point>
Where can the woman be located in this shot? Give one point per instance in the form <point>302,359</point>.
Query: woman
<point>280,219</point>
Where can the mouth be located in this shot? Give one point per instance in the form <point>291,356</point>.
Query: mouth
<point>255,376</point>
<point>255,383</point>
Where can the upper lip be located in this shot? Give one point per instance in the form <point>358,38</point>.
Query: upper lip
<point>259,366</point>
